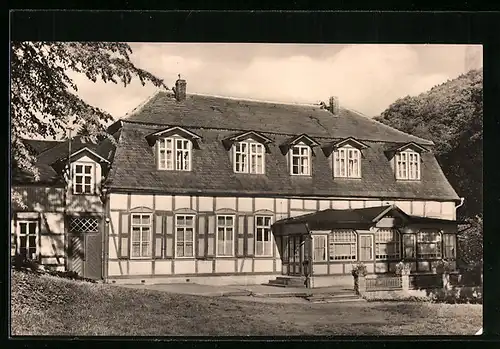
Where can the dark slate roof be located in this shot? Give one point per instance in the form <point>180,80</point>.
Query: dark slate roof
<point>359,215</point>
<point>50,152</point>
<point>134,169</point>
<point>364,216</point>
<point>291,119</point>
<point>39,146</point>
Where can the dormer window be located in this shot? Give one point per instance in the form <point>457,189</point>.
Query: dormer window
<point>347,162</point>
<point>83,178</point>
<point>174,153</point>
<point>407,165</point>
<point>249,157</point>
<point>248,152</point>
<point>346,157</point>
<point>300,160</point>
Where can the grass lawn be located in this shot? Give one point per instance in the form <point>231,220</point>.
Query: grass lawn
<point>46,305</point>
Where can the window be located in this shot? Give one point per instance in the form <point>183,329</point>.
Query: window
<point>249,157</point>
<point>184,234</point>
<point>347,163</point>
<point>319,244</point>
<point>449,248</point>
<point>408,165</point>
<point>174,154</point>
<point>83,178</point>
<point>409,246</point>
<point>27,239</point>
<point>428,244</point>
<point>141,236</point>
<point>387,244</point>
<point>225,235</point>
<point>301,160</point>
<point>263,241</point>
<point>366,247</point>
<point>343,245</point>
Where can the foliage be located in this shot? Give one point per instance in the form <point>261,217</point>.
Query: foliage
<point>44,99</point>
<point>359,270</point>
<point>403,268</point>
<point>470,242</point>
<point>33,266</point>
<point>451,115</point>
<point>443,266</point>
<point>471,295</point>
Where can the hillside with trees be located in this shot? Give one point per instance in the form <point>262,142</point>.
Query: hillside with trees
<point>451,115</point>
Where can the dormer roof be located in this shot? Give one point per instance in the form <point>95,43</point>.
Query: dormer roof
<point>152,137</point>
<point>259,137</point>
<point>330,147</point>
<point>401,147</point>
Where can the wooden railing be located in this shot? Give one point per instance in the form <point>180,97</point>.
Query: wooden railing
<point>383,283</point>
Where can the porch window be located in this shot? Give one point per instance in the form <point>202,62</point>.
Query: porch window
<point>450,246</point>
<point>27,238</point>
<point>343,245</point>
<point>387,244</point>
<point>300,160</point>
<point>174,154</point>
<point>409,246</point>
<point>319,245</point>
<point>263,240</point>
<point>225,235</point>
<point>141,236</point>
<point>83,178</point>
<point>428,244</point>
<point>184,235</point>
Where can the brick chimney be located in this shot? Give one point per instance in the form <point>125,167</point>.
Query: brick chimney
<point>180,89</point>
<point>333,105</point>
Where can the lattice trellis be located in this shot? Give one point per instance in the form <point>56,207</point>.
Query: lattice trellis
<point>84,225</point>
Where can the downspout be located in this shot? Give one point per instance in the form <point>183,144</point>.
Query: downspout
<point>462,200</point>
<point>309,277</point>
<point>66,200</point>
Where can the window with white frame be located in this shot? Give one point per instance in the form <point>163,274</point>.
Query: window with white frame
<point>409,246</point>
<point>319,244</point>
<point>300,160</point>
<point>83,178</point>
<point>27,239</point>
<point>343,245</point>
<point>249,157</point>
<point>429,244</point>
<point>449,246</point>
<point>387,246</point>
<point>141,236</point>
<point>263,238</point>
<point>184,235</point>
<point>225,235</point>
<point>347,162</point>
<point>174,154</point>
<point>408,165</point>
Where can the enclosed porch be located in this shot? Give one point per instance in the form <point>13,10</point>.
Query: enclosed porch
<point>325,245</point>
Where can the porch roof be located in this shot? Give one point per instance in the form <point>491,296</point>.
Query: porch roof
<point>335,218</point>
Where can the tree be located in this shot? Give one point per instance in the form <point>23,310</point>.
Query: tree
<point>44,98</point>
<point>451,115</point>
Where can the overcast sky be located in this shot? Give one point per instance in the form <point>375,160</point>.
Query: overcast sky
<point>367,78</point>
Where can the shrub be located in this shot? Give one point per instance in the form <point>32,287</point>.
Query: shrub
<point>470,295</point>
<point>403,268</point>
<point>29,265</point>
<point>359,270</point>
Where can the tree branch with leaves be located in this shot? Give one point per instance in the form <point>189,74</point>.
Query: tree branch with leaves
<point>44,98</point>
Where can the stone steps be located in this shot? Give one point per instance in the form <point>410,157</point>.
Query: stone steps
<point>287,281</point>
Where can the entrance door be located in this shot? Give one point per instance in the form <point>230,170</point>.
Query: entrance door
<point>85,247</point>
<point>295,255</point>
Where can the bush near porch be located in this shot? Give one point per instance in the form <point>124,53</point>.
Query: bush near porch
<point>77,308</point>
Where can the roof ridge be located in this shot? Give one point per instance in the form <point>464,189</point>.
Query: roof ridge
<point>387,126</point>
<point>255,100</point>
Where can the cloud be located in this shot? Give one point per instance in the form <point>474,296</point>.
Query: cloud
<point>367,78</point>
